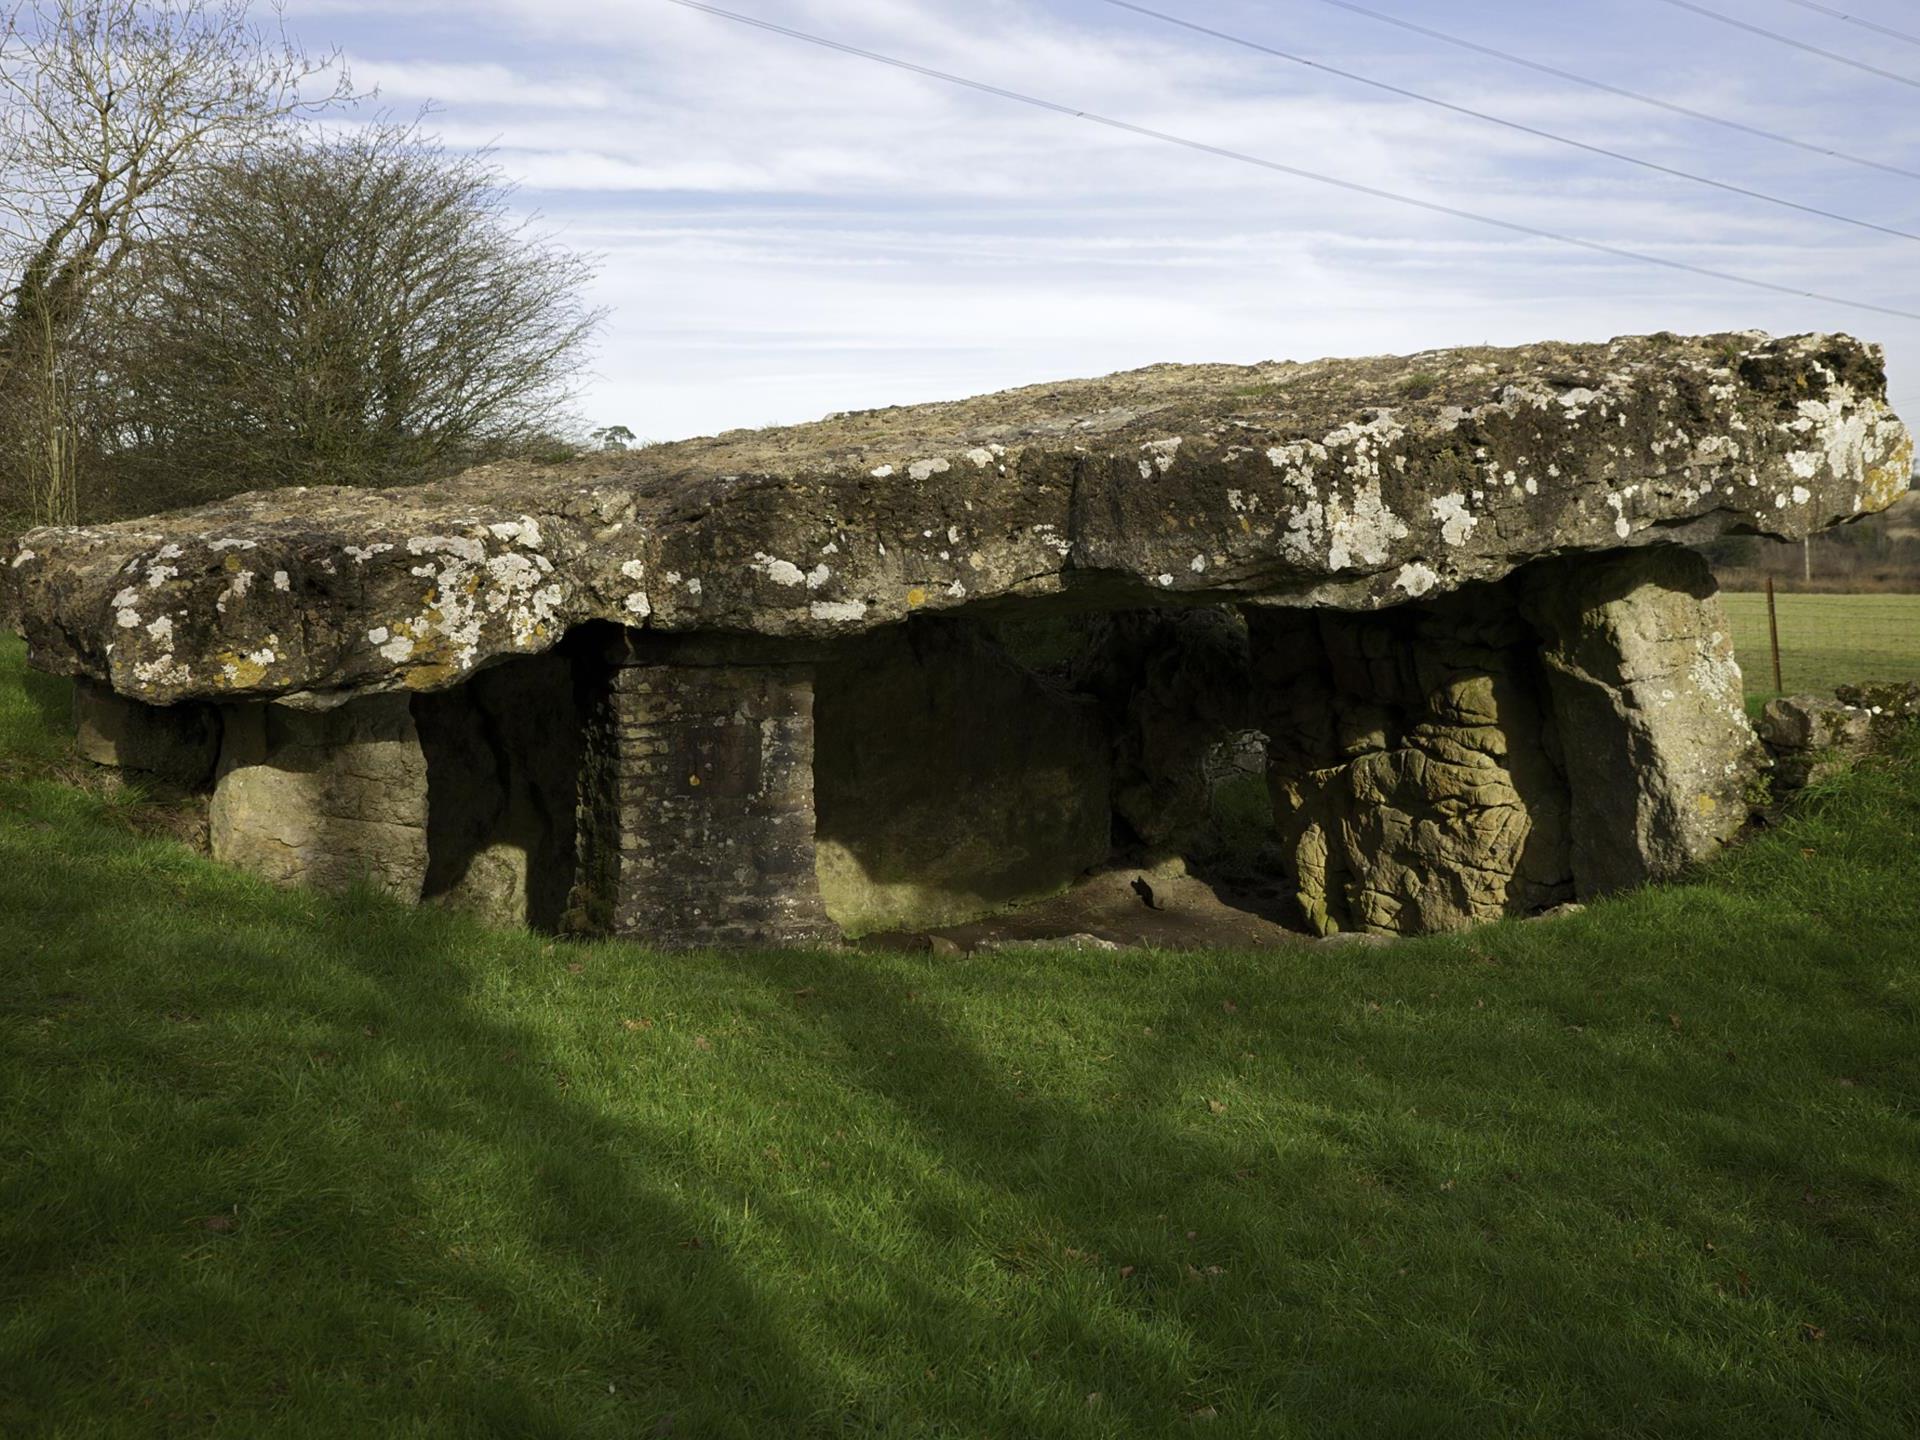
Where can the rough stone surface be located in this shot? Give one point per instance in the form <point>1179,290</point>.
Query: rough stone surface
<point>1813,737</point>
<point>324,799</point>
<point>1355,484</point>
<point>950,781</point>
<point>1647,698</point>
<point>1414,768</point>
<point>698,818</point>
<point>179,744</point>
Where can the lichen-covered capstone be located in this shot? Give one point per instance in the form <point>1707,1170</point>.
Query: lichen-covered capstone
<point>1343,483</point>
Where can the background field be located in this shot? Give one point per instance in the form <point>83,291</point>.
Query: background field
<point>1827,640</point>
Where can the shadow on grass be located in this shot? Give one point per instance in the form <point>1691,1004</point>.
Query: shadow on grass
<point>52,696</point>
<point>1399,1217</point>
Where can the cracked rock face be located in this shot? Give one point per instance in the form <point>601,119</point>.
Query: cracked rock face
<point>1353,484</point>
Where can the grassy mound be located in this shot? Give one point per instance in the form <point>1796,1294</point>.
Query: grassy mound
<point>272,1164</point>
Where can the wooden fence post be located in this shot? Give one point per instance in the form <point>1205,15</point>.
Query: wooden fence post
<point>1773,636</point>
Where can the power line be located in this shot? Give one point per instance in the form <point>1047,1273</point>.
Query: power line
<point>1857,20</point>
<point>1242,157</point>
<point>1668,105</point>
<point>1492,119</point>
<point>1788,40</point>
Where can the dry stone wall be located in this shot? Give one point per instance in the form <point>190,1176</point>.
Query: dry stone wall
<point>701,819</point>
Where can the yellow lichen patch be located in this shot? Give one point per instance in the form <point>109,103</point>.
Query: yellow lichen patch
<point>917,595</point>
<point>239,671</point>
<point>1887,483</point>
<point>1705,803</point>
<point>431,677</point>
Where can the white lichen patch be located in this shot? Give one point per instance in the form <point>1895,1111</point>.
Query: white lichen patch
<point>524,531</point>
<point>1416,579</point>
<point>981,458</point>
<point>1054,540</point>
<point>464,547</point>
<point>282,581</point>
<point>360,554</point>
<point>1160,455</point>
<point>23,558</point>
<point>922,469</point>
<point>818,576</point>
<point>881,472</point>
<point>158,575</point>
<point>838,610</point>
<point>1801,495</point>
<point>231,545</point>
<point>1456,521</point>
<point>237,585</point>
<point>1362,532</point>
<point>781,572</point>
<point>162,672</point>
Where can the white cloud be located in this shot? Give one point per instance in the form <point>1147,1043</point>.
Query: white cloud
<point>788,231</point>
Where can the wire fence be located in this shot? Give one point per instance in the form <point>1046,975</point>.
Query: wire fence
<point>1825,640</point>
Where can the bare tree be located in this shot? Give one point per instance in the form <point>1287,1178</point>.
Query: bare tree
<point>106,108</point>
<point>355,309</point>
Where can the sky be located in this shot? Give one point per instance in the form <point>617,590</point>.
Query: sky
<point>784,231</point>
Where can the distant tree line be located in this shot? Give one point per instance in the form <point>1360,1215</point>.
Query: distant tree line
<point>1878,552</point>
<point>202,292</point>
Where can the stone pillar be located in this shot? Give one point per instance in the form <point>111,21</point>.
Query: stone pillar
<point>1639,663</point>
<point>699,822</point>
<point>1414,771</point>
<point>176,743</point>
<point>324,797</point>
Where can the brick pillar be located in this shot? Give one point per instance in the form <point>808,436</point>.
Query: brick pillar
<point>699,800</point>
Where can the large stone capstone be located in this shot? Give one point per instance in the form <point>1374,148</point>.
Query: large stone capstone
<point>748,688</point>
<point>1346,484</point>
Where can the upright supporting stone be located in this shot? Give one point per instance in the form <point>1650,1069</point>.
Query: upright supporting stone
<point>1639,662</point>
<point>324,798</point>
<point>176,743</point>
<point>1413,766</point>
<point>699,793</point>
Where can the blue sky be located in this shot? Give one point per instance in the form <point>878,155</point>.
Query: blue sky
<point>785,231</point>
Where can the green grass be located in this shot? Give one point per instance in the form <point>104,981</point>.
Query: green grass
<point>1826,640</point>
<point>274,1164</point>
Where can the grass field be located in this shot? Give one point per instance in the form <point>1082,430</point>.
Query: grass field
<point>273,1164</point>
<point>1827,640</point>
